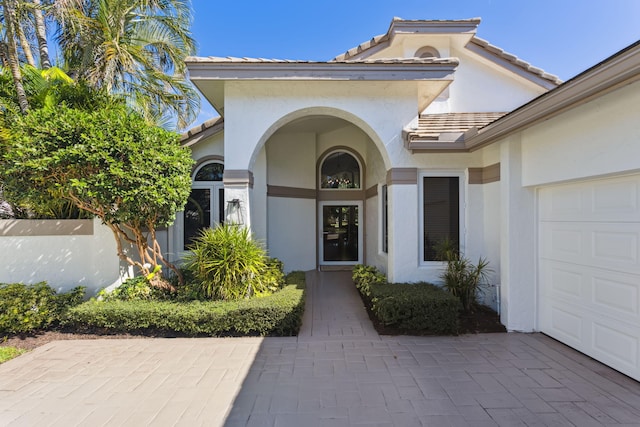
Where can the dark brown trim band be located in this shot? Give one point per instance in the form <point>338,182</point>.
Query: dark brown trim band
<point>371,192</point>
<point>405,176</point>
<point>238,177</point>
<point>484,175</point>
<point>338,195</point>
<point>291,192</point>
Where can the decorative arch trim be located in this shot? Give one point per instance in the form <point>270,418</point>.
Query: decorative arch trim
<point>323,111</point>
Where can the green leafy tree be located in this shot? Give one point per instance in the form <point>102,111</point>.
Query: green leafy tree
<point>107,161</point>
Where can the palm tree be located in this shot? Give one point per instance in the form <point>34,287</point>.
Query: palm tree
<point>10,51</point>
<point>41,35</point>
<point>135,48</point>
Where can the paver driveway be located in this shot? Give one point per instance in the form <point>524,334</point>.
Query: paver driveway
<point>338,372</point>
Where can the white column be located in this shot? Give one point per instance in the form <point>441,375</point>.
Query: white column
<point>517,242</point>
<point>238,185</point>
<point>402,192</point>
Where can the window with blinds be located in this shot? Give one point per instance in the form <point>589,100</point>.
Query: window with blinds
<point>441,198</point>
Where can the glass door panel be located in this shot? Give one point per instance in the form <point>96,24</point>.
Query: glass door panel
<point>340,241</point>
<point>204,209</point>
<point>197,214</point>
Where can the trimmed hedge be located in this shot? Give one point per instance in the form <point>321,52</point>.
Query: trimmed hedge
<point>411,306</point>
<point>26,308</point>
<point>277,314</point>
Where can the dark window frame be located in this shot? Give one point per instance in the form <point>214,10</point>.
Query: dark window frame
<point>442,212</point>
<point>384,200</point>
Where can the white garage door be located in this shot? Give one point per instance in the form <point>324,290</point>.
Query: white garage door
<point>589,268</point>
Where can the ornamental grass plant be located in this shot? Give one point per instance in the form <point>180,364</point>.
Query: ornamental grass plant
<point>226,263</point>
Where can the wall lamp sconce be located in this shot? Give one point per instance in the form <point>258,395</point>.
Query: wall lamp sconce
<point>234,212</point>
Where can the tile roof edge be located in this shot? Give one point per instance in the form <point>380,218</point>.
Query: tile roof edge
<point>513,59</point>
<point>210,124</point>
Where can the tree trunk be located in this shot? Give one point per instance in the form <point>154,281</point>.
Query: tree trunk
<point>24,44</point>
<point>10,20</point>
<point>41,34</point>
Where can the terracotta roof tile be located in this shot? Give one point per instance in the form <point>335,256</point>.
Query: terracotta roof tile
<point>432,126</point>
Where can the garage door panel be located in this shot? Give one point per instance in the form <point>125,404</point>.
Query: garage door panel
<point>565,323</point>
<point>589,268</point>
<point>613,343</point>
<point>614,246</point>
<point>566,281</point>
<point>602,292</point>
<point>617,244</point>
<point>618,294</point>
<point>616,199</point>
<point>562,241</point>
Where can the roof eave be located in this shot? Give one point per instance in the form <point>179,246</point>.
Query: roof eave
<point>210,76</point>
<point>614,72</point>
<point>202,69</point>
<point>209,128</point>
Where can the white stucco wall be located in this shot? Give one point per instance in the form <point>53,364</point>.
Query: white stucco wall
<point>259,226</point>
<point>211,146</point>
<point>63,261</point>
<point>598,138</point>
<point>373,253</point>
<point>292,232</point>
<point>381,109</point>
<point>481,85</point>
<point>291,160</point>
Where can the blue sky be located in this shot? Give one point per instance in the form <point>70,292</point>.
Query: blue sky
<point>563,37</point>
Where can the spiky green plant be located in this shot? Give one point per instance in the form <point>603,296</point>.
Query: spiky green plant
<point>227,263</point>
<point>462,278</point>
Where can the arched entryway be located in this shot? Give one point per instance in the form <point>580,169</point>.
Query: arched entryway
<point>321,195</point>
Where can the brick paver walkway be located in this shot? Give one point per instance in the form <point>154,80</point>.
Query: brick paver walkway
<point>338,372</point>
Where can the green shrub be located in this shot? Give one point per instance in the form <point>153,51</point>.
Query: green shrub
<point>415,306</point>
<point>277,314</point>
<point>366,275</point>
<point>136,288</point>
<point>227,263</point>
<point>273,273</point>
<point>410,306</point>
<point>25,308</point>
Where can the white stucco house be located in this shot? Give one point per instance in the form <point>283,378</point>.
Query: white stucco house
<point>426,133</point>
<point>421,134</point>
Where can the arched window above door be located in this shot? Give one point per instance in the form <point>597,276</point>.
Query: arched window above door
<point>209,172</point>
<point>340,170</point>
